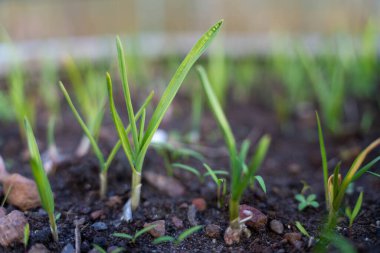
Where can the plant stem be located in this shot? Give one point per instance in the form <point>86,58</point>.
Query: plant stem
<point>103,184</point>
<point>136,189</point>
<point>53,227</point>
<point>234,214</point>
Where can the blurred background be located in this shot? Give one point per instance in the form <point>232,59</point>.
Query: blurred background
<point>298,55</point>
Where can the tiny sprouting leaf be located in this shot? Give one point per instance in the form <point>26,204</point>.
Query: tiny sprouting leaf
<point>211,173</point>
<point>163,239</point>
<point>314,204</point>
<point>324,156</point>
<point>302,206</point>
<point>358,205</point>
<point>302,229</point>
<point>188,232</point>
<point>311,197</point>
<point>123,235</point>
<point>261,182</point>
<point>244,149</point>
<point>366,168</point>
<point>300,198</point>
<point>144,230</point>
<point>26,235</point>
<point>187,168</point>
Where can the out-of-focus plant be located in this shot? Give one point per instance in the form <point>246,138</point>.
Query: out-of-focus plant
<point>217,68</point>
<point>137,234</point>
<point>241,173</point>
<point>90,94</point>
<point>135,151</point>
<point>246,73</point>
<point>104,163</point>
<point>336,185</point>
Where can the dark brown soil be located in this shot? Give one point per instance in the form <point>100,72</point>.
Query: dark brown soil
<point>293,157</point>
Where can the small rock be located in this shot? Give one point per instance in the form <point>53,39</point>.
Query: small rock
<point>69,248</point>
<point>191,215</point>
<point>99,226</point>
<point>167,185</point>
<point>114,201</point>
<point>276,226</point>
<point>3,212</point>
<point>200,204</point>
<point>38,248</point>
<point>294,239</point>
<point>294,168</point>
<point>23,193</point>
<point>184,205</point>
<point>177,222</point>
<point>97,214</point>
<point>213,231</point>
<point>258,220</point>
<point>12,228</point>
<point>157,231</point>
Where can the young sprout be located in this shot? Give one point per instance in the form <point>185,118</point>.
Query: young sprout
<point>25,240</point>
<point>352,214</point>
<point>101,250</point>
<point>306,202</point>
<point>42,182</point>
<point>103,163</point>
<point>171,153</point>
<point>302,229</point>
<point>336,185</point>
<point>180,238</point>
<point>91,96</point>
<point>241,172</point>
<point>135,151</point>
<point>134,237</point>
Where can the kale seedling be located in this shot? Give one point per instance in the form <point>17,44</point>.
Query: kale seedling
<point>306,202</point>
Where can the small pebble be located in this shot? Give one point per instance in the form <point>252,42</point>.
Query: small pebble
<point>294,239</point>
<point>213,231</point>
<point>258,220</point>
<point>96,214</point>
<point>157,231</point>
<point>168,185</point>
<point>38,248</point>
<point>114,201</point>
<point>99,226</point>
<point>276,226</point>
<point>3,212</point>
<point>69,248</point>
<point>177,222</point>
<point>12,228</point>
<point>191,215</point>
<point>200,204</point>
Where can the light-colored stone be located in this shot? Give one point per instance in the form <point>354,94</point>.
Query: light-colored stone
<point>167,185</point>
<point>213,231</point>
<point>157,231</point>
<point>276,226</point>
<point>38,248</point>
<point>12,228</point>
<point>23,194</point>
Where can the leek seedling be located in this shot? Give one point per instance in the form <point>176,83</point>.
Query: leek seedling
<point>42,181</point>
<point>220,182</point>
<point>134,237</point>
<point>101,250</point>
<point>336,185</point>
<point>91,97</point>
<point>103,163</point>
<point>170,153</point>
<point>240,171</point>
<point>180,238</point>
<point>351,215</point>
<point>143,136</point>
<point>302,229</point>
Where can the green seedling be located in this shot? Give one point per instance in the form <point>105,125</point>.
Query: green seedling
<point>309,201</point>
<point>6,195</point>
<point>101,250</point>
<point>302,229</point>
<point>220,182</point>
<point>104,163</point>
<point>134,237</point>
<point>180,238</point>
<point>246,73</point>
<point>135,151</point>
<point>336,185</point>
<point>91,95</point>
<point>171,153</point>
<point>352,214</point>
<point>241,172</point>
<point>42,181</point>
<point>25,240</point>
